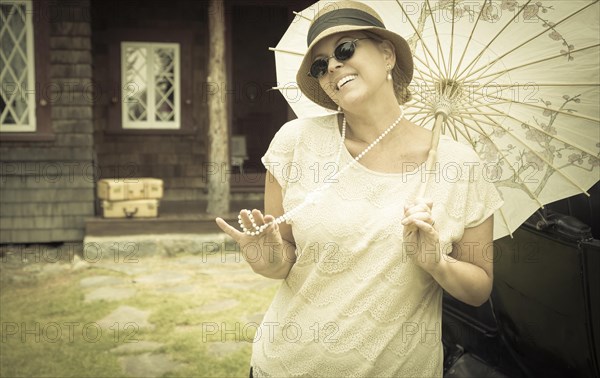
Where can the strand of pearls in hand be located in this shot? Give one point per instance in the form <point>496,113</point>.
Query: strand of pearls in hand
<point>311,197</point>
<point>256,229</point>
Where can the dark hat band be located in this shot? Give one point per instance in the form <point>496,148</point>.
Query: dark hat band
<point>354,17</point>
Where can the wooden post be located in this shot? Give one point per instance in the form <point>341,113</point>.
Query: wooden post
<point>218,132</point>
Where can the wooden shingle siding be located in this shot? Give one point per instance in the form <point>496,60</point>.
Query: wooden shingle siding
<point>25,154</point>
<point>71,57</point>
<point>70,43</point>
<point>43,182</point>
<point>47,188</point>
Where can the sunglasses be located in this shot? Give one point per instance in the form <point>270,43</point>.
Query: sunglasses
<point>342,52</point>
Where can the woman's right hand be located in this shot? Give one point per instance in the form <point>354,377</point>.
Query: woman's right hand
<point>264,252</point>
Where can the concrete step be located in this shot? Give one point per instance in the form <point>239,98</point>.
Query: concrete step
<point>126,249</point>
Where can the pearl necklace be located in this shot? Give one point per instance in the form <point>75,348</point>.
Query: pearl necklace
<point>311,197</point>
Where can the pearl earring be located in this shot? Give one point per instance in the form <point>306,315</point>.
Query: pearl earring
<point>389,71</point>
<point>339,109</point>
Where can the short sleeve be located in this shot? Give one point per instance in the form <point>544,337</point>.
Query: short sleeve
<point>279,158</point>
<point>482,198</point>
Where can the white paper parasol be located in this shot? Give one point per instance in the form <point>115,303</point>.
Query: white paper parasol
<point>518,81</point>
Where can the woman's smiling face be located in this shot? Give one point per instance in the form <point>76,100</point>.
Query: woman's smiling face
<point>357,79</point>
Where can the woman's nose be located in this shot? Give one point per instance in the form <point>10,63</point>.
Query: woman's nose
<point>333,64</point>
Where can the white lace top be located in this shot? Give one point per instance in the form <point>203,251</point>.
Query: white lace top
<point>353,304</point>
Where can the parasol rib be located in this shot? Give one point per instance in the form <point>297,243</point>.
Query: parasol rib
<point>451,39</point>
<point>425,118</point>
<point>534,37</point>
<point>557,169</point>
<point>505,100</point>
<point>576,115</point>
<point>431,74</point>
<point>437,38</point>
<point>419,107</point>
<point>510,101</point>
<point>302,16</point>
<point>503,156</point>
<point>453,130</point>
<point>424,107</point>
<point>422,121</point>
<point>478,56</point>
<point>468,137</point>
<point>527,85</point>
<point>482,85</point>
<point>275,49</point>
<point>547,85</point>
<point>414,118</point>
<point>499,73</point>
<point>415,114</point>
<point>567,177</point>
<point>294,87</point>
<point>419,35</point>
<point>454,76</point>
<point>482,113</point>
<point>421,73</point>
<point>480,105</point>
<point>556,137</point>
<point>419,116</point>
<point>425,101</point>
<point>459,131</point>
<point>537,128</point>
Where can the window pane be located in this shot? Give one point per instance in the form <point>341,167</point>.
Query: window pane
<point>150,75</point>
<point>14,70</point>
<point>135,85</point>
<point>164,78</point>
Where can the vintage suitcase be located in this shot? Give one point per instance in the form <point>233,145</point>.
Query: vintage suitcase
<point>144,208</point>
<point>112,189</point>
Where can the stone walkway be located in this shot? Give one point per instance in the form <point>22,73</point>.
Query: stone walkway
<point>168,268</point>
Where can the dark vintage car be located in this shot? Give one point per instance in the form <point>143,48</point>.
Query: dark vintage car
<point>543,317</point>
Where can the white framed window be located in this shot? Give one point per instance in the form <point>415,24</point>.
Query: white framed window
<point>150,77</point>
<point>17,67</point>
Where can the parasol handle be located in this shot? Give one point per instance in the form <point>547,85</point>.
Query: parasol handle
<point>431,156</point>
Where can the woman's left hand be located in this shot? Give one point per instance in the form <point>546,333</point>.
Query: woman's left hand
<point>421,239</point>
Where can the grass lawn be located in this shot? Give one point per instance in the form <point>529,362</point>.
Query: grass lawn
<point>50,330</point>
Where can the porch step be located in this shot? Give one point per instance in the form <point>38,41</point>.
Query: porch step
<point>174,217</point>
<point>164,224</point>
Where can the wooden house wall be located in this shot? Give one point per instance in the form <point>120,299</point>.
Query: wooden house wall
<point>47,188</point>
<point>174,157</point>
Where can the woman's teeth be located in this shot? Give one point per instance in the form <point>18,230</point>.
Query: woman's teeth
<point>344,80</point>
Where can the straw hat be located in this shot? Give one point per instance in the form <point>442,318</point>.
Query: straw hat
<point>349,15</point>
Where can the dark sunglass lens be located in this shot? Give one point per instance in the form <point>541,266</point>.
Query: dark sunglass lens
<point>318,68</point>
<point>344,51</point>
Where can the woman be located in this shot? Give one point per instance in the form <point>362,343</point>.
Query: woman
<point>364,261</point>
